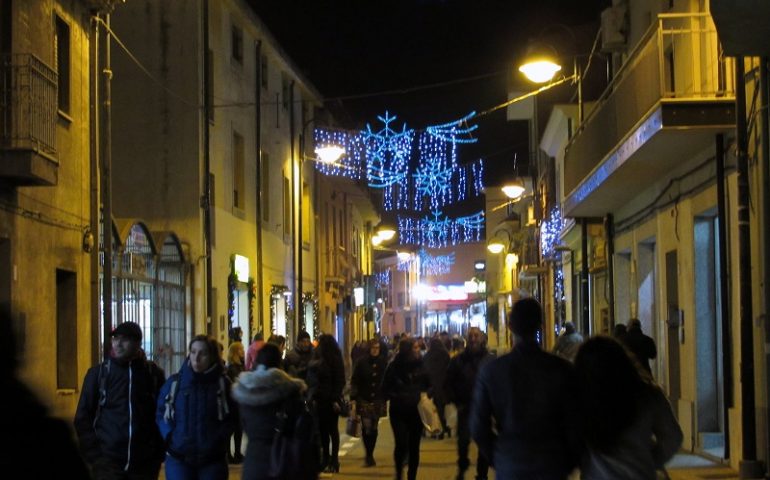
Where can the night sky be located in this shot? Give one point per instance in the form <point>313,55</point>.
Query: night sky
<point>366,57</point>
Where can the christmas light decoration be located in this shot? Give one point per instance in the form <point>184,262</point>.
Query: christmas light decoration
<point>550,229</point>
<point>433,265</point>
<point>437,230</point>
<point>415,170</point>
<point>382,279</point>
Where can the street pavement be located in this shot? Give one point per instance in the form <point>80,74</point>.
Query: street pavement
<point>438,460</point>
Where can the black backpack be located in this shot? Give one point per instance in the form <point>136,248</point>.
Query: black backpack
<point>294,453</point>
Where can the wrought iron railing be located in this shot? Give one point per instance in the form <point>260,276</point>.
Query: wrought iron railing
<point>28,104</point>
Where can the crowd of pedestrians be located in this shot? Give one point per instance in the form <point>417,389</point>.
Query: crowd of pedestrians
<point>591,405</point>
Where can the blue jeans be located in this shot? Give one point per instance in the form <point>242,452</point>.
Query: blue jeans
<point>177,469</point>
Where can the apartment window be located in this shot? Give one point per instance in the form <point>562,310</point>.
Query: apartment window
<point>62,56</point>
<point>286,206</point>
<point>237,44</point>
<point>264,186</point>
<point>342,228</point>
<point>263,71</point>
<point>239,190</point>
<point>66,330</point>
<point>285,91</point>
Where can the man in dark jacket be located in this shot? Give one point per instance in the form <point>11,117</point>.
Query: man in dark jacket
<point>115,417</point>
<point>642,346</point>
<point>296,361</point>
<point>460,380</point>
<point>521,416</point>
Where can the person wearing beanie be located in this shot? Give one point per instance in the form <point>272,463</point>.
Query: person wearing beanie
<point>115,416</point>
<point>519,417</point>
<point>299,357</point>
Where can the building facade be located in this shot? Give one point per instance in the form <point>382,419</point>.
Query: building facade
<point>662,221</point>
<point>216,131</point>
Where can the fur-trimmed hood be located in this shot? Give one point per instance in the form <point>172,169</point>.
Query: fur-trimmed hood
<point>265,386</point>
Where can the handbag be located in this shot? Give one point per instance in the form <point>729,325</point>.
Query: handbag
<point>294,452</point>
<point>429,415</point>
<point>353,426</point>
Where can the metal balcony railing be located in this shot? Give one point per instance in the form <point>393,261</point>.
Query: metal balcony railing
<point>678,58</point>
<point>28,104</point>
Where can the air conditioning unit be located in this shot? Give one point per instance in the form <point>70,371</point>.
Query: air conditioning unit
<point>614,29</point>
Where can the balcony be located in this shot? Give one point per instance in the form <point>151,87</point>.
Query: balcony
<point>673,94</point>
<point>28,116</point>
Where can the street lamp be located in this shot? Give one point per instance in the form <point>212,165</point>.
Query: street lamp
<point>514,189</point>
<point>540,65</point>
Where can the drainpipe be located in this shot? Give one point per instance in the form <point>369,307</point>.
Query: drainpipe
<point>94,194</point>
<point>724,292</point>
<point>609,231</point>
<point>206,203</point>
<point>107,194</point>
<point>749,467</point>
<point>765,162</point>
<point>584,301</point>
<point>258,146</point>
<point>296,265</point>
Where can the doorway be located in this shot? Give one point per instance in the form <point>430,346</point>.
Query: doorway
<point>708,338</point>
<point>674,321</point>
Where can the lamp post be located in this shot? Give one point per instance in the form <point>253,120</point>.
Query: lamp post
<point>328,154</point>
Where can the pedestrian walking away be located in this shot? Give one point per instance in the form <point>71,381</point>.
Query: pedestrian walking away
<point>115,416</point>
<point>522,418</point>
<point>263,395</point>
<point>436,362</point>
<point>195,415</point>
<point>366,393</point>
<point>641,345</point>
<point>460,382</point>
<point>326,381</point>
<point>568,343</point>
<point>629,428</point>
<point>405,380</point>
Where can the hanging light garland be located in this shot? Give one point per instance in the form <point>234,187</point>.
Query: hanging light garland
<point>384,157</point>
<point>550,229</point>
<point>438,231</point>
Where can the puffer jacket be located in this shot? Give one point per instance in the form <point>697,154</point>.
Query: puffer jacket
<point>260,394</point>
<point>404,381</point>
<point>197,427</point>
<point>122,430</point>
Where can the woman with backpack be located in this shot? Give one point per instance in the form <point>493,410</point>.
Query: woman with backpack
<point>196,415</point>
<point>326,380</point>
<point>271,401</point>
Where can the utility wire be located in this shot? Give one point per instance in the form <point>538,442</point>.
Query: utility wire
<point>141,66</point>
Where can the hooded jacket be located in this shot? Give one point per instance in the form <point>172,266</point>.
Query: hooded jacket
<point>260,395</point>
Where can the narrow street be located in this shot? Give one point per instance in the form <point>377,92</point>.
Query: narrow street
<point>438,460</point>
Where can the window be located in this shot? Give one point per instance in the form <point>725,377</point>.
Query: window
<point>286,207</point>
<point>62,56</point>
<point>263,71</point>
<point>237,45</point>
<point>66,330</point>
<point>239,190</point>
<point>285,91</point>
<point>264,186</point>
<point>212,210</point>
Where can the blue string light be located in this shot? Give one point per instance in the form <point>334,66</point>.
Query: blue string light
<point>550,229</point>
<point>437,230</point>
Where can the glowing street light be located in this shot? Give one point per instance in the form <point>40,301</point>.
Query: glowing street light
<point>514,189</point>
<point>330,153</point>
<point>495,247</point>
<point>540,71</point>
